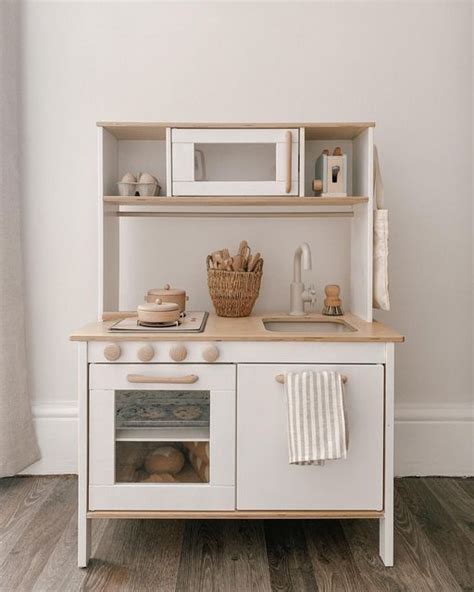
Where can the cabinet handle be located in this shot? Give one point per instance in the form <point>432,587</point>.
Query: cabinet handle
<point>281,378</point>
<point>288,139</point>
<point>140,379</point>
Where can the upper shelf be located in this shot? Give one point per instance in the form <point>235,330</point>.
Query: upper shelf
<point>157,131</point>
<point>235,201</point>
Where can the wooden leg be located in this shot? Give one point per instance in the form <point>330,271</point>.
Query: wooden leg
<point>386,530</point>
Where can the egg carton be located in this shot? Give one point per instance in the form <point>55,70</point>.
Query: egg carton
<point>146,186</point>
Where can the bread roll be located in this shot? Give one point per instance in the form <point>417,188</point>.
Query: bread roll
<point>160,478</point>
<point>164,459</point>
<point>199,449</point>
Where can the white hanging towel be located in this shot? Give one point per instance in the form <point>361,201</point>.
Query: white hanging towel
<point>381,297</point>
<point>316,422</point>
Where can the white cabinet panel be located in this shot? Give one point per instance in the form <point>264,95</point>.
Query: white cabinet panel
<point>266,480</point>
<point>117,376</point>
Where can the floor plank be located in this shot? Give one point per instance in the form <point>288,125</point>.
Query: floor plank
<point>61,571</point>
<point>288,558</point>
<point>433,546</point>
<point>331,556</point>
<point>20,501</point>
<point>449,540</point>
<point>246,564</point>
<point>456,501</point>
<point>418,565</point>
<point>39,538</point>
<point>201,566</point>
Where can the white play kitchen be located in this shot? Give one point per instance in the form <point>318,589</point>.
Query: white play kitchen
<point>225,413</point>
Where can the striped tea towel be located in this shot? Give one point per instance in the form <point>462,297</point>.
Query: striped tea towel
<point>316,423</point>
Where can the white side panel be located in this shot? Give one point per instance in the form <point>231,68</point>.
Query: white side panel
<point>362,227</point>
<point>265,479</point>
<point>109,231</point>
<point>102,437</point>
<point>386,523</point>
<point>83,523</point>
<point>163,496</point>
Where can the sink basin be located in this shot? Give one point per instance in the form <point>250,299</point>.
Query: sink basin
<point>306,326</point>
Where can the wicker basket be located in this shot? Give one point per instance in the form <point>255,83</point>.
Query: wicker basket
<point>234,293</point>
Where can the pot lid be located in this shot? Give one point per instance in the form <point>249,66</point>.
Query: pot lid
<point>158,306</point>
<point>166,290</point>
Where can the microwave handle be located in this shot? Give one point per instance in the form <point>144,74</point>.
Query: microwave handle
<point>199,166</point>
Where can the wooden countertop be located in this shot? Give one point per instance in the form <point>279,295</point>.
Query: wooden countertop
<point>249,329</point>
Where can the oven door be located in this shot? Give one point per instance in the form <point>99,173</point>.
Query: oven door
<point>162,437</point>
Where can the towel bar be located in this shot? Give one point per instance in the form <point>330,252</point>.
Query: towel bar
<point>281,378</point>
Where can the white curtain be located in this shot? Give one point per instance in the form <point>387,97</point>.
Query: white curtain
<point>18,445</point>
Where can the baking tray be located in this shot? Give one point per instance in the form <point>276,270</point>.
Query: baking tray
<point>149,409</point>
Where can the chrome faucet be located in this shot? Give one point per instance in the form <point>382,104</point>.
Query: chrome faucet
<point>298,293</point>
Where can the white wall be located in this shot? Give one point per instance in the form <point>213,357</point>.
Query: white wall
<point>407,66</point>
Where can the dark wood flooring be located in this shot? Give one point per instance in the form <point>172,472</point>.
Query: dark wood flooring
<point>434,546</point>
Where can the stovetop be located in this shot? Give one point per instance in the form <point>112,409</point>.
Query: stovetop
<point>192,322</point>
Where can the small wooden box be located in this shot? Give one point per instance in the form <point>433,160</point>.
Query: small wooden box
<point>332,171</point>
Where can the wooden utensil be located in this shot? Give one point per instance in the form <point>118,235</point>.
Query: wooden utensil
<point>252,263</point>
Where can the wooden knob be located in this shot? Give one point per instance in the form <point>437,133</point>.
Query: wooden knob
<point>112,352</point>
<point>146,353</point>
<point>317,185</point>
<point>178,353</point>
<point>210,354</point>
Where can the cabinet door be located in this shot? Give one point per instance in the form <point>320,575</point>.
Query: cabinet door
<point>128,424</point>
<point>266,480</point>
<point>235,161</point>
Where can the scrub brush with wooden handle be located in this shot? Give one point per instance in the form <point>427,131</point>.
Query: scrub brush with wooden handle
<point>332,302</point>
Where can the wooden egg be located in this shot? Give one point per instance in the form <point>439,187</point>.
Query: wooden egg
<point>164,459</point>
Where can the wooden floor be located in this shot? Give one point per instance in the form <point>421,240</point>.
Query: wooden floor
<point>434,546</point>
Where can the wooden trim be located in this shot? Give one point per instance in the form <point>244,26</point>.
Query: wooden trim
<point>236,514</point>
<point>235,201</point>
<point>243,330</point>
<point>140,130</point>
<point>227,214</point>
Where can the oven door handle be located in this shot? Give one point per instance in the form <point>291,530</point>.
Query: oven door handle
<point>141,379</point>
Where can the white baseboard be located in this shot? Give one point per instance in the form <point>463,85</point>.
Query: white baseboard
<point>429,440</point>
<point>434,440</point>
<point>56,429</point>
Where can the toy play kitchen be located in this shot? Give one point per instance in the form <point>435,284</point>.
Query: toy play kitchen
<point>224,413</point>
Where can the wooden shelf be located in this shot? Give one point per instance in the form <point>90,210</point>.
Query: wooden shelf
<point>185,434</point>
<point>235,201</point>
<point>157,130</point>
